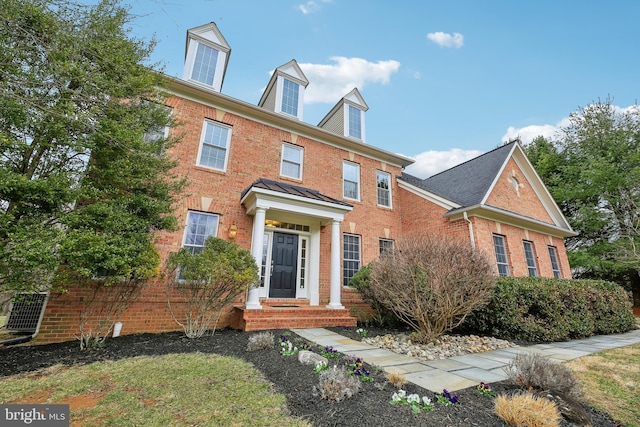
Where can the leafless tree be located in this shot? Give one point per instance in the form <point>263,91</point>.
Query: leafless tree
<point>432,283</point>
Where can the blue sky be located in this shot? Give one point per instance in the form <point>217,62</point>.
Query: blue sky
<point>445,81</point>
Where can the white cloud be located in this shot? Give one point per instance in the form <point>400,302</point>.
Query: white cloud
<point>311,6</point>
<point>446,40</point>
<point>531,132</point>
<point>329,83</point>
<point>431,162</point>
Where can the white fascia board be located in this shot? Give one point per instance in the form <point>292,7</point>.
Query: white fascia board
<point>269,199</point>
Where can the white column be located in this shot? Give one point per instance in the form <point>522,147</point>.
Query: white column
<point>257,240</point>
<point>334,296</point>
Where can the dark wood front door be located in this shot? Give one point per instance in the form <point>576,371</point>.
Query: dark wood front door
<point>284,259</point>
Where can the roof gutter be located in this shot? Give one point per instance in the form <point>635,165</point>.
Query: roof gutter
<point>496,214</point>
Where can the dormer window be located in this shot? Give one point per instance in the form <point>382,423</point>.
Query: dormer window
<point>204,67</point>
<point>285,91</point>
<point>207,56</point>
<point>347,117</point>
<point>355,122</point>
<point>290,92</point>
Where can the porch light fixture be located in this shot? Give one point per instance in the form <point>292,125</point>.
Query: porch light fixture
<point>233,230</point>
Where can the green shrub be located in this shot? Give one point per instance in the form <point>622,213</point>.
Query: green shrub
<point>545,309</point>
<point>207,282</point>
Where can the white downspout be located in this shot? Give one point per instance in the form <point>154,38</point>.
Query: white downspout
<point>473,240</point>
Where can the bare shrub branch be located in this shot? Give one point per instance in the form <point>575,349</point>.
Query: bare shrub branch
<point>432,283</point>
<point>107,301</point>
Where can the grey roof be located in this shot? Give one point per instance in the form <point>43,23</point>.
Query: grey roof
<point>293,190</point>
<point>467,183</point>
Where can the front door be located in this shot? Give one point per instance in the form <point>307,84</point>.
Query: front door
<point>284,271</point>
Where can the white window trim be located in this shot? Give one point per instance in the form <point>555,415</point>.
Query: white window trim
<point>504,245</point>
<point>186,225</point>
<point>345,162</point>
<point>227,148</point>
<point>534,267</point>
<point>294,147</point>
<point>190,61</point>
<point>551,248</point>
<point>280,91</point>
<point>388,175</point>
<point>347,120</point>
<point>351,259</point>
<point>393,244</point>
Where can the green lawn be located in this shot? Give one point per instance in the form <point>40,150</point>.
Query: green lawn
<point>177,390</point>
<point>611,382</point>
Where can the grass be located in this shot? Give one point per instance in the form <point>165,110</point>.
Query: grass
<point>611,382</point>
<point>185,389</point>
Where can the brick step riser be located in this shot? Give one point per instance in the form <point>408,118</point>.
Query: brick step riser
<point>265,324</point>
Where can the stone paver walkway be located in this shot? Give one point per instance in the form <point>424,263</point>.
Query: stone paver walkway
<point>468,370</point>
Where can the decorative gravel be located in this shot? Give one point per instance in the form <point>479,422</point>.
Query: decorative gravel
<point>444,347</point>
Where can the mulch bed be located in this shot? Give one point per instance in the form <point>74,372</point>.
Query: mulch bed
<point>370,407</point>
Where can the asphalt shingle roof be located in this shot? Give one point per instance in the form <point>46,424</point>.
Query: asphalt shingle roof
<point>293,190</point>
<point>467,183</point>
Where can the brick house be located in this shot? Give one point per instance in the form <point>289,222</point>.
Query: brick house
<point>314,203</point>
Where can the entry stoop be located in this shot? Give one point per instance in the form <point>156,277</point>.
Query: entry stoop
<point>289,314</point>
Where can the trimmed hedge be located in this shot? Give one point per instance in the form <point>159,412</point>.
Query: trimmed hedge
<point>545,310</point>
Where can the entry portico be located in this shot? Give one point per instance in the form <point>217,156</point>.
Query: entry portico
<point>286,241</point>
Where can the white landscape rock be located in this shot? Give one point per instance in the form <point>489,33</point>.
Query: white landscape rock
<point>307,357</point>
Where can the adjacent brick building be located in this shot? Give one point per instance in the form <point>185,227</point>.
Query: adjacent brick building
<point>315,203</point>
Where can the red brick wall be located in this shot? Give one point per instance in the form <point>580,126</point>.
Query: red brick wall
<point>254,153</point>
<point>420,216</point>
<point>524,201</point>
<point>514,237</point>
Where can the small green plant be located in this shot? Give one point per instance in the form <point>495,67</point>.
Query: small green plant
<point>320,366</point>
<point>446,398</point>
<point>336,384</point>
<point>414,401</point>
<point>361,332</point>
<point>287,348</point>
<point>260,341</point>
<point>357,368</point>
<point>485,389</point>
<point>329,352</point>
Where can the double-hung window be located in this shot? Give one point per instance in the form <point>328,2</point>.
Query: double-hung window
<point>531,259</point>
<point>351,180</point>
<point>200,226</point>
<point>214,146</point>
<point>555,266</point>
<point>501,255</point>
<point>386,247</point>
<point>290,94</point>
<point>204,65</point>
<point>383,182</point>
<point>350,257</point>
<point>355,122</point>
<point>291,161</point>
